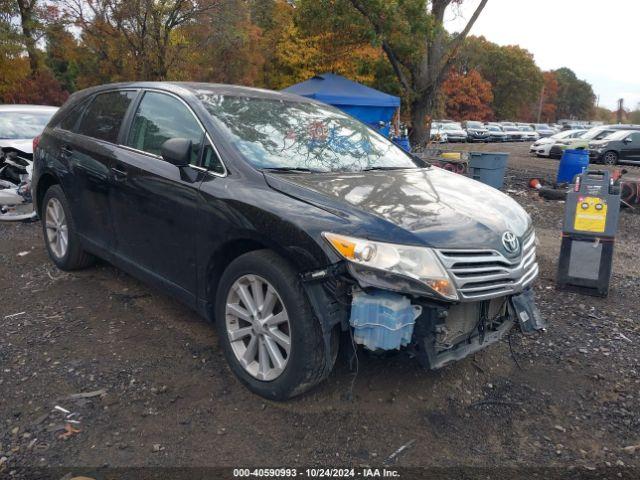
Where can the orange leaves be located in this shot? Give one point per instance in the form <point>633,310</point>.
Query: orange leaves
<point>467,96</point>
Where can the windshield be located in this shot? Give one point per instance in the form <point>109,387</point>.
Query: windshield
<point>22,125</point>
<point>526,129</point>
<point>474,125</point>
<point>493,128</point>
<point>596,134</point>
<point>564,134</point>
<point>450,126</point>
<point>298,135</point>
<point>619,135</point>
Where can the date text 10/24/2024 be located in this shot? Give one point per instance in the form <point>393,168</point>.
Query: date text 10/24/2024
<point>276,473</point>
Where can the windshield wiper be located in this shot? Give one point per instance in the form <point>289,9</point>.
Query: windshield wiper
<point>289,169</point>
<point>369,169</point>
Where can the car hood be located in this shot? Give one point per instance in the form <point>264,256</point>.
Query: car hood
<point>25,145</point>
<point>424,206</point>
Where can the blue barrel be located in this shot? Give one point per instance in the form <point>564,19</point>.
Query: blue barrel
<point>572,163</point>
<point>488,167</point>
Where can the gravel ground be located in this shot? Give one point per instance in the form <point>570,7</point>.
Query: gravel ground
<point>144,383</point>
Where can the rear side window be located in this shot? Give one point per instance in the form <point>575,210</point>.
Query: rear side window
<point>70,120</point>
<point>161,117</point>
<point>104,116</point>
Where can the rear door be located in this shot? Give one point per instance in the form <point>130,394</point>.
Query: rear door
<point>154,203</point>
<point>90,155</point>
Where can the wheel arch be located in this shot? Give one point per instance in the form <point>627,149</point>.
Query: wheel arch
<point>45,181</point>
<point>227,252</point>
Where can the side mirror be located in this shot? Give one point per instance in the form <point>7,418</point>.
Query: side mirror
<point>177,151</point>
<point>628,140</point>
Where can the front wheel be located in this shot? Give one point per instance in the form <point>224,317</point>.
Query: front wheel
<point>610,158</point>
<point>269,335</point>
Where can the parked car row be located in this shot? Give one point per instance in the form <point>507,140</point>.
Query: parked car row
<point>608,144</point>
<point>443,131</point>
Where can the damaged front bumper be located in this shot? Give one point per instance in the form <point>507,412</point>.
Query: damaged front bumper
<point>443,336</point>
<point>436,333</point>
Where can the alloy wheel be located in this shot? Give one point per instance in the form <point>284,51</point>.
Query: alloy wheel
<point>610,158</point>
<point>258,327</point>
<point>57,228</point>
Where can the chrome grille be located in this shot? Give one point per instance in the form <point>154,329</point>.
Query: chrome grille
<point>483,274</point>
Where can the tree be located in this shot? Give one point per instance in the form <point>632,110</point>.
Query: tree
<point>412,35</point>
<point>467,96</point>
<point>548,106</point>
<point>603,114</point>
<point>61,56</point>
<point>149,29</point>
<point>28,22</point>
<point>634,116</point>
<point>575,97</point>
<point>515,78</point>
<point>324,36</point>
<point>226,47</point>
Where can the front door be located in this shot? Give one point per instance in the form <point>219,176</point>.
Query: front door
<point>630,150</point>
<point>154,203</point>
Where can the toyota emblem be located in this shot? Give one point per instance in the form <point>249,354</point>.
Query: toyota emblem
<point>510,242</point>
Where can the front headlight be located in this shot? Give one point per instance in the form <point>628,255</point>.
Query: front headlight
<point>418,264</point>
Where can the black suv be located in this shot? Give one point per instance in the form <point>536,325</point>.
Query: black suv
<point>476,131</point>
<point>285,220</point>
<point>621,146</point>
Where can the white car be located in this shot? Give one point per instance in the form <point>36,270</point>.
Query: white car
<point>528,133</point>
<point>454,131</point>
<point>19,125</point>
<point>438,135</point>
<point>542,147</point>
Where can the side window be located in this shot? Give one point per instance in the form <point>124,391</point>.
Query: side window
<point>635,137</point>
<point>70,120</point>
<point>104,116</point>
<point>211,161</point>
<point>161,117</point>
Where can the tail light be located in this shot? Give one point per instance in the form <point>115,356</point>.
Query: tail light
<point>36,141</point>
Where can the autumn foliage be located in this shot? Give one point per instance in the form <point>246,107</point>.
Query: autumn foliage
<point>51,49</point>
<point>468,96</point>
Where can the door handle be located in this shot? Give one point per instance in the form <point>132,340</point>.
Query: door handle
<point>119,174</point>
<point>66,150</point>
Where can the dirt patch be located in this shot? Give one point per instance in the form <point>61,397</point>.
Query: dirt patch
<point>566,398</point>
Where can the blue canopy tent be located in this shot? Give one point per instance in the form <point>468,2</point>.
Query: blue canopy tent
<point>366,104</point>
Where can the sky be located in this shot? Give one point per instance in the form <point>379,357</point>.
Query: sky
<point>596,39</point>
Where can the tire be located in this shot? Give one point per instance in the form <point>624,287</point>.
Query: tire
<point>610,158</point>
<point>306,363</point>
<point>66,257</point>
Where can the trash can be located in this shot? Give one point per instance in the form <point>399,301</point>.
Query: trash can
<point>572,163</point>
<point>488,167</point>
